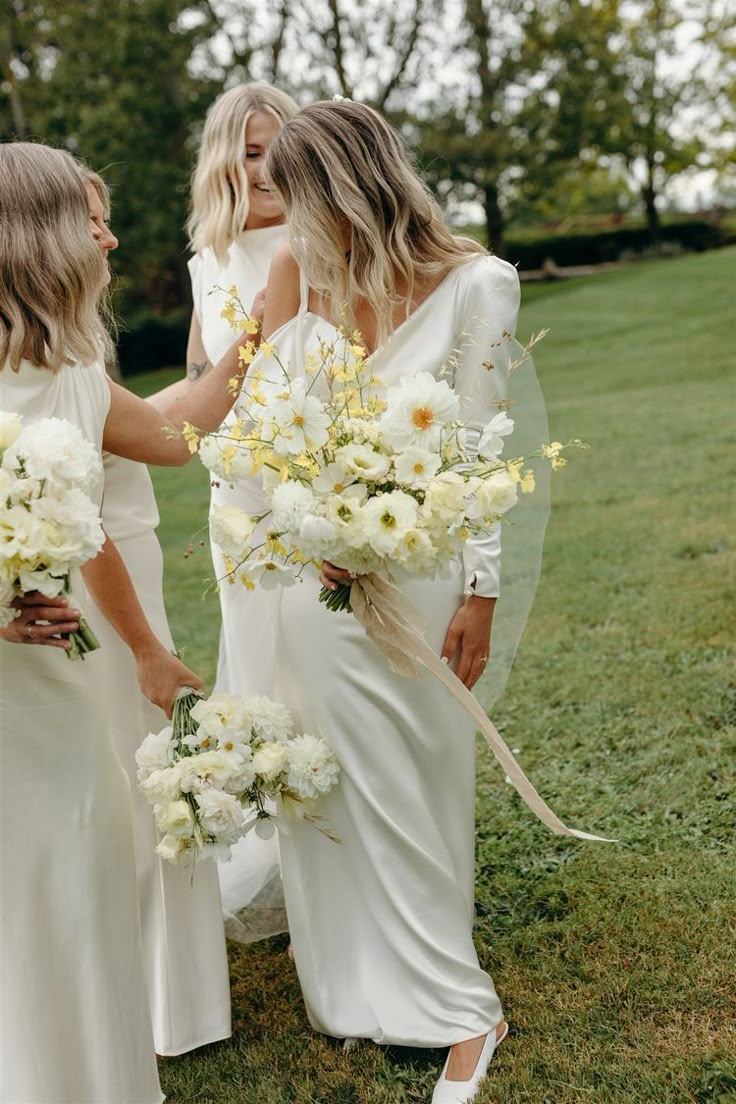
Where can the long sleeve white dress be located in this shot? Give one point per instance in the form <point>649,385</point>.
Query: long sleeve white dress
<point>74,1019</point>
<point>381,923</point>
<point>186,971</point>
<point>252,897</point>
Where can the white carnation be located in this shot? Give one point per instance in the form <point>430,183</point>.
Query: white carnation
<point>313,769</point>
<point>271,720</point>
<point>162,785</point>
<point>221,715</point>
<point>291,502</point>
<point>56,451</point>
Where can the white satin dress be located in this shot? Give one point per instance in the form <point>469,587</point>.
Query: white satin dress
<point>381,923</point>
<point>74,1021</point>
<point>186,973</point>
<point>252,897</point>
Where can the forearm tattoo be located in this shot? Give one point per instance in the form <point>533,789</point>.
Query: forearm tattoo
<point>196,371</point>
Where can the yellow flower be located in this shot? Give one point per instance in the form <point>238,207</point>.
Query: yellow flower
<point>246,352</point>
<point>554,448</point>
<point>527,481</point>
<point>267,348</point>
<point>191,436</point>
<point>558,462</point>
<point>247,583</point>
<point>514,469</point>
<point>357,351</point>
<point>250,325</point>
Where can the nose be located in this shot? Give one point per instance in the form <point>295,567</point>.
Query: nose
<point>108,241</point>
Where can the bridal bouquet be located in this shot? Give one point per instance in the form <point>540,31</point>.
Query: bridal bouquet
<point>372,482</point>
<point>49,522</point>
<point>212,774</point>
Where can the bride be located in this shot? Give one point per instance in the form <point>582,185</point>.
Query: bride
<point>382,924</point>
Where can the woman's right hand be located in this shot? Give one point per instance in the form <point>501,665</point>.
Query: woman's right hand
<point>161,676</point>
<point>33,608</point>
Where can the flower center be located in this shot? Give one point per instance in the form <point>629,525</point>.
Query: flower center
<point>270,566</point>
<point>388,521</point>
<point>298,420</point>
<point>422,417</point>
<point>339,488</point>
<point>418,468</point>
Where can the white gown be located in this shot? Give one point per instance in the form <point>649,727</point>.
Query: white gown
<point>381,923</point>
<point>187,975</point>
<point>75,1022</point>
<point>247,652</point>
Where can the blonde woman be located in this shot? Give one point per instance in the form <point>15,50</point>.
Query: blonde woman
<point>236,225</point>
<point>74,1020</point>
<point>381,925</point>
<point>187,976</point>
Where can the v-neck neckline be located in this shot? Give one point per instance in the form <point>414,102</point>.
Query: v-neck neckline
<point>410,318</point>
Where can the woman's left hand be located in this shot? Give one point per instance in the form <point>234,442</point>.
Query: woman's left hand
<point>468,639</point>
<point>332,577</point>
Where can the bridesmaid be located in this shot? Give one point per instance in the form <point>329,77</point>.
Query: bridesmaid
<point>187,976</point>
<point>381,925</point>
<point>236,225</point>
<point>74,1018</point>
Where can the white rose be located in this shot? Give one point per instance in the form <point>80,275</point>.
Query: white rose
<point>174,850</point>
<point>269,760</point>
<point>175,819</point>
<point>161,786</point>
<point>220,815</point>
<point>10,428</point>
<point>56,451</point>
<point>222,715</point>
<point>155,753</point>
<point>364,462</point>
<point>495,495</point>
<point>230,528</point>
<point>444,501</point>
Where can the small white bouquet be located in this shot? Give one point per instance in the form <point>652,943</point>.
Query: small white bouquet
<point>370,481</point>
<point>49,524</point>
<point>214,773</point>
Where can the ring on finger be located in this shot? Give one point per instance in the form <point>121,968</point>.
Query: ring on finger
<point>484,659</point>
<point>29,629</point>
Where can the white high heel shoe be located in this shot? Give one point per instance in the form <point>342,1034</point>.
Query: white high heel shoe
<point>461,1092</point>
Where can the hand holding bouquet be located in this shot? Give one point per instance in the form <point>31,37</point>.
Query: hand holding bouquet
<point>49,523</point>
<point>213,774</point>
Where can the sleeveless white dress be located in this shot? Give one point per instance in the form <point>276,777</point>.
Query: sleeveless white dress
<point>187,975</point>
<point>381,923</point>
<point>75,1022</point>
<point>252,897</point>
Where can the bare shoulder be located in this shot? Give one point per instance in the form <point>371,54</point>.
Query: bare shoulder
<point>282,290</point>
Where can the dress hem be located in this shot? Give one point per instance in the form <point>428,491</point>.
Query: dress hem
<point>193,1046</point>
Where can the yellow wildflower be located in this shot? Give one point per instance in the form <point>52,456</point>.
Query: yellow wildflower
<point>191,436</point>
<point>246,352</point>
<point>527,482</point>
<point>250,325</point>
<point>267,348</point>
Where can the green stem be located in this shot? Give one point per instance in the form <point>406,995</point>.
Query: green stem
<point>338,599</point>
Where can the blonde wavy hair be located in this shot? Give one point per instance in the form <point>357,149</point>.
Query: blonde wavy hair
<point>107,313</point>
<point>340,166</point>
<point>51,269</point>
<point>219,207</point>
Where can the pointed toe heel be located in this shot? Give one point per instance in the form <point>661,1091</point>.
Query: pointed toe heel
<point>462,1092</point>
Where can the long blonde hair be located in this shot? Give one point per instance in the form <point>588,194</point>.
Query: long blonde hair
<point>51,269</point>
<point>89,176</point>
<point>220,184</point>
<point>340,166</point>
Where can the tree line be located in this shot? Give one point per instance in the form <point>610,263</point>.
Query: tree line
<point>524,107</point>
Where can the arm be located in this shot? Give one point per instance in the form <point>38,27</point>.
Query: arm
<point>282,291</point>
<point>160,674</point>
<point>136,430</point>
<point>198,364</point>
<point>490,320</point>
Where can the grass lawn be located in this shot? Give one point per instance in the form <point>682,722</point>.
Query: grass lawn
<point>615,963</point>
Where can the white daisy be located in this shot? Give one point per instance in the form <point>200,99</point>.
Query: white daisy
<point>417,411</point>
<point>416,466</point>
<point>300,419</point>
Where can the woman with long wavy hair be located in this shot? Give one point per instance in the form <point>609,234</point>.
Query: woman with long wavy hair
<point>381,924</point>
<point>236,225</point>
<point>74,1017</point>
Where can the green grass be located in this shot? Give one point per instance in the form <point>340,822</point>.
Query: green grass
<point>615,962</point>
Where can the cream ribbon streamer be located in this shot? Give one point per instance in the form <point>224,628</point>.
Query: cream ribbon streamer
<point>392,624</point>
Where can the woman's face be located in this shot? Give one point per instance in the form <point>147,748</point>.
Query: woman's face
<point>265,209</point>
<point>101,232</point>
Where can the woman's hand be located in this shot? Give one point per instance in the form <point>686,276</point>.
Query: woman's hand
<point>469,638</point>
<point>332,577</point>
<point>34,608</point>
<point>161,675</point>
